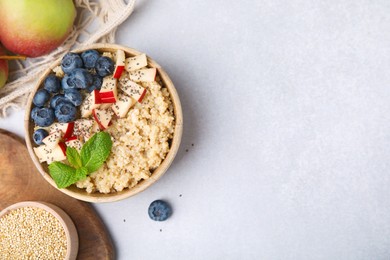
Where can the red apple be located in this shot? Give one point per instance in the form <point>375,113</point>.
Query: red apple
<point>35,27</point>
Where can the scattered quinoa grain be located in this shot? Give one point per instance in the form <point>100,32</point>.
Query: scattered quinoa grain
<point>31,233</point>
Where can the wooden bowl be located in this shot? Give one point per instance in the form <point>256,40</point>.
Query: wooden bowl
<point>66,222</point>
<point>81,194</point>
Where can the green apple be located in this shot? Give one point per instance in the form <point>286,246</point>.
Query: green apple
<point>35,27</point>
<point>3,69</point>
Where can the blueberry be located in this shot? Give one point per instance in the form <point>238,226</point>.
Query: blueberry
<point>78,78</point>
<point>67,83</point>
<point>41,97</point>
<point>89,58</point>
<point>65,112</point>
<point>57,99</point>
<point>43,116</point>
<point>34,113</point>
<point>159,210</point>
<point>52,84</point>
<point>104,66</point>
<point>74,96</point>
<point>39,135</point>
<point>97,83</point>
<point>70,62</point>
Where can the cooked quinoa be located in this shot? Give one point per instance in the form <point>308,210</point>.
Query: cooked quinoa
<point>141,141</point>
<point>31,233</point>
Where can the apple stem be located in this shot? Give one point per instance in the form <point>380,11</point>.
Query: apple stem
<point>12,57</point>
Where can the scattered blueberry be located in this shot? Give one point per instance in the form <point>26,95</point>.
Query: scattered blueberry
<point>97,83</point>
<point>159,210</point>
<point>39,135</point>
<point>52,84</point>
<point>89,58</point>
<point>43,116</point>
<point>79,78</point>
<point>74,96</point>
<point>104,66</point>
<point>65,112</point>
<point>70,62</point>
<point>57,99</point>
<point>41,97</point>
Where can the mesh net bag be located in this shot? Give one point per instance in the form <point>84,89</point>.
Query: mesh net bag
<point>96,21</point>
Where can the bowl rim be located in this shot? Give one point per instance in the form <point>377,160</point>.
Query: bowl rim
<point>140,186</point>
<point>66,222</point>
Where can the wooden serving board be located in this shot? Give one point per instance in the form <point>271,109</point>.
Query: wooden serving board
<point>20,181</point>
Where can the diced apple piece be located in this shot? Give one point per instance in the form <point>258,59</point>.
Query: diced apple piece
<point>69,130</point>
<point>143,75</point>
<point>83,128</point>
<point>95,98</point>
<point>107,54</point>
<point>108,97</point>
<point>102,117</point>
<point>134,90</point>
<point>122,106</point>
<point>108,93</point>
<point>58,71</point>
<point>91,102</point>
<point>87,106</point>
<point>74,142</point>
<point>95,128</point>
<point>72,138</point>
<point>52,139</point>
<point>49,155</point>
<point>40,152</point>
<point>120,63</point>
<point>63,147</point>
<point>59,153</point>
<point>136,62</point>
<point>108,84</point>
<point>65,128</point>
<point>105,106</point>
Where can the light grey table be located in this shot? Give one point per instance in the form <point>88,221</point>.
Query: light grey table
<point>286,145</point>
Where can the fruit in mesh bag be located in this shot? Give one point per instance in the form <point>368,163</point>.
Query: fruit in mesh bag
<point>35,27</point>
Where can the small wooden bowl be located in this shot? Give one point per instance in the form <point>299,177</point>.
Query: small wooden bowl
<point>81,194</point>
<point>66,222</point>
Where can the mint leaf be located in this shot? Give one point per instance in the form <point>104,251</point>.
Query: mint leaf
<point>62,174</point>
<point>65,175</point>
<point>73,157</point>
<point>93,154</point>
<point>81,173</point>
<point>95,151</point>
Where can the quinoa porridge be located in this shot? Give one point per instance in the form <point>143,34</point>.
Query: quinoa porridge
<point>140,143</point>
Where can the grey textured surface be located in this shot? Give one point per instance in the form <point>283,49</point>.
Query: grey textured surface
<point>287,106</point>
